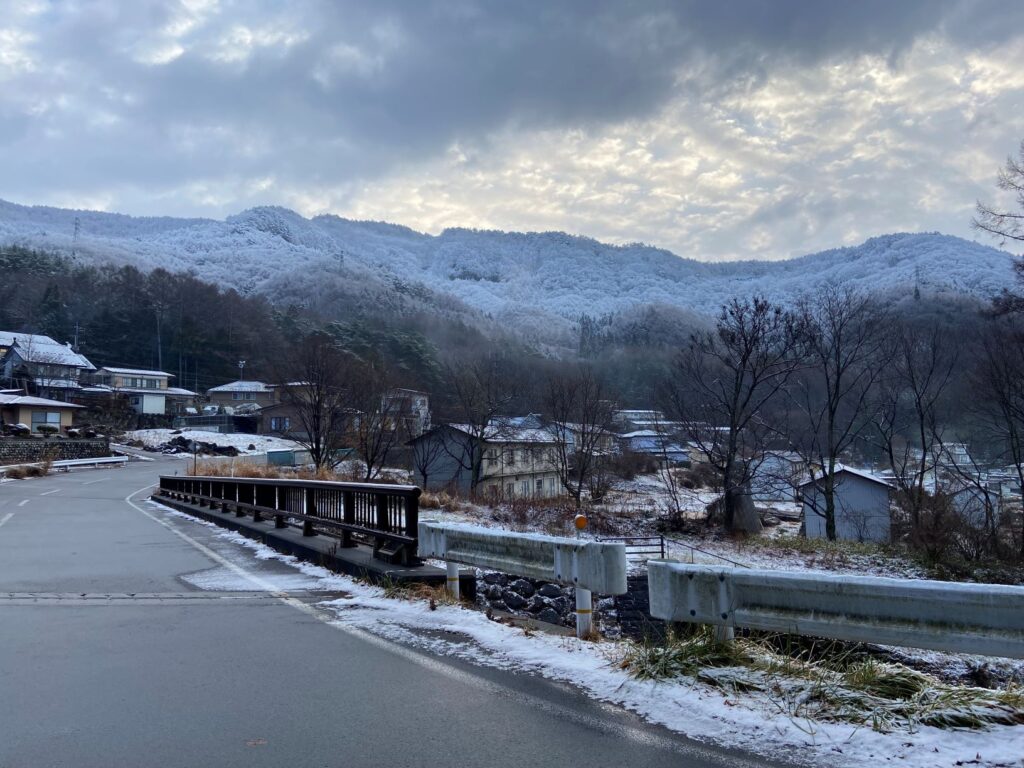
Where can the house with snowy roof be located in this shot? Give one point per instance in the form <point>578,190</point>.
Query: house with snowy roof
<point>148,392</point>
<point>862,509</point>
<point>40,365</point>
<point>34,412</point>
<point>654,443</point>
<point>505,459</point>
<point>236,393</point>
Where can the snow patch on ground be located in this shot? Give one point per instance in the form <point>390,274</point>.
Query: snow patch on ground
<point>690,708</point>
<point>154,438</point>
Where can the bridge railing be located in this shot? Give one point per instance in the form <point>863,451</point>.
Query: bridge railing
<point>383,516</point>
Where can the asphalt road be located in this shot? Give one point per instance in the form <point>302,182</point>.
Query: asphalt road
<point>110,657</point>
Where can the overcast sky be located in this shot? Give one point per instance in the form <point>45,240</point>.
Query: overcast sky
<point>718,129</point>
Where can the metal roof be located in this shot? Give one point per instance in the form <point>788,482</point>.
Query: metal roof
<point>36,348</point>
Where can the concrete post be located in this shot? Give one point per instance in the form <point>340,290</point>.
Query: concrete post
<point>584,613</point>
<point>724,633</point>
<point>453,578</point>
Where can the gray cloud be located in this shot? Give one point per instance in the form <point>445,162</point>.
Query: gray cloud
<point>204,107</point>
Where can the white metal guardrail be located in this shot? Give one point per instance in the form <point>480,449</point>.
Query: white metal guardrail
<point>66,465</point>
<point>589,566</point>
<point>986,619</point>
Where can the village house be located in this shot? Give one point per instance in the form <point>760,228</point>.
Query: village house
<point>509,462</point>
<point>776,476</point>
<point>656,444</point>
<point>41,366</point>
<point>410,410</point>
<point>148,392</point>
<point>862,510</point>
<point>238,393</point>
<point>34,412</point>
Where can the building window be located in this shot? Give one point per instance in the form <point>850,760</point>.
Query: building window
<point>540,485</point>
<point>279,424</point>
<point>510,490</point>
<point>250,395</point>
<point>492,457</point>
<point>236,395</point>
<point>525,486</point>
<point>45,417</point>
<point>512,457</point>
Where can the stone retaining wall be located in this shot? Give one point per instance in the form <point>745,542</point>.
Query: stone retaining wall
<point>31,450</point>
<point>633,610</point>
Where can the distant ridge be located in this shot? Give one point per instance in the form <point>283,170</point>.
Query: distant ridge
<point>539,283</point>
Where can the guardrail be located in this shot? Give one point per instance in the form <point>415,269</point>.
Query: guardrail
<point>384,516</point>
<point>589,566</point>
<point>986,619</point>
<point>65,465</point>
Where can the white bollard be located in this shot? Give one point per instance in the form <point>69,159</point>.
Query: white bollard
<point>584,613</point>
<point>453,578</point>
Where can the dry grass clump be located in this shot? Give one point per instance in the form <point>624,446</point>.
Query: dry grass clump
<point>433,594</point>
<point>838,686</point>
<point>441,500</point>
<point>42,469</point>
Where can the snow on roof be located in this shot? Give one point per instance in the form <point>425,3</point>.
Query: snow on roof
<point>861,473</point>
<point>135,372</point>
<point>57,383</point>
<point>640,433</point>
<point>39,401</point>
<point>36,348</point>
<point>241,386</point>
<point>509,434</point>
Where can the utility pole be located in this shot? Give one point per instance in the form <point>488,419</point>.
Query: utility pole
<point>241,370</point>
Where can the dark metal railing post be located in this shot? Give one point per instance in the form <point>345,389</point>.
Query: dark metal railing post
<point>307,525</point>
<point>348,516</point>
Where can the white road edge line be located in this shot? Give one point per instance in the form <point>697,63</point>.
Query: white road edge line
<point>23,502</point>
<point>101,480</point>
<point>440,667</point>
<point>6,517</point>
<point>47,493</point>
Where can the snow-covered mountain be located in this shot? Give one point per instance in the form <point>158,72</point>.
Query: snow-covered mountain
<point>538,283</point>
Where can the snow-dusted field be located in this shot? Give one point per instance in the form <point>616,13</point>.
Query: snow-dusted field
<point>153,438</point>
<point>688,707</point>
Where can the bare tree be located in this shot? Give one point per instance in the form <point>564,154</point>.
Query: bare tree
<point>580,415</point>
<point>316,387</point>
<point>723,384</point>
<point>425,454</point>
<point>1001,222</point>
<point>1006,223</point>
<point>842,345</point>
<point>910,398</point>
<point>375,427</point>
<point>997,381</point>
<point>482,390</point>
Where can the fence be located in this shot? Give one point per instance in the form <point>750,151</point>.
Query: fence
<point>985,619</point>
<point>588,566</point>
<point>643,548</point>
<point>383,516</point>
